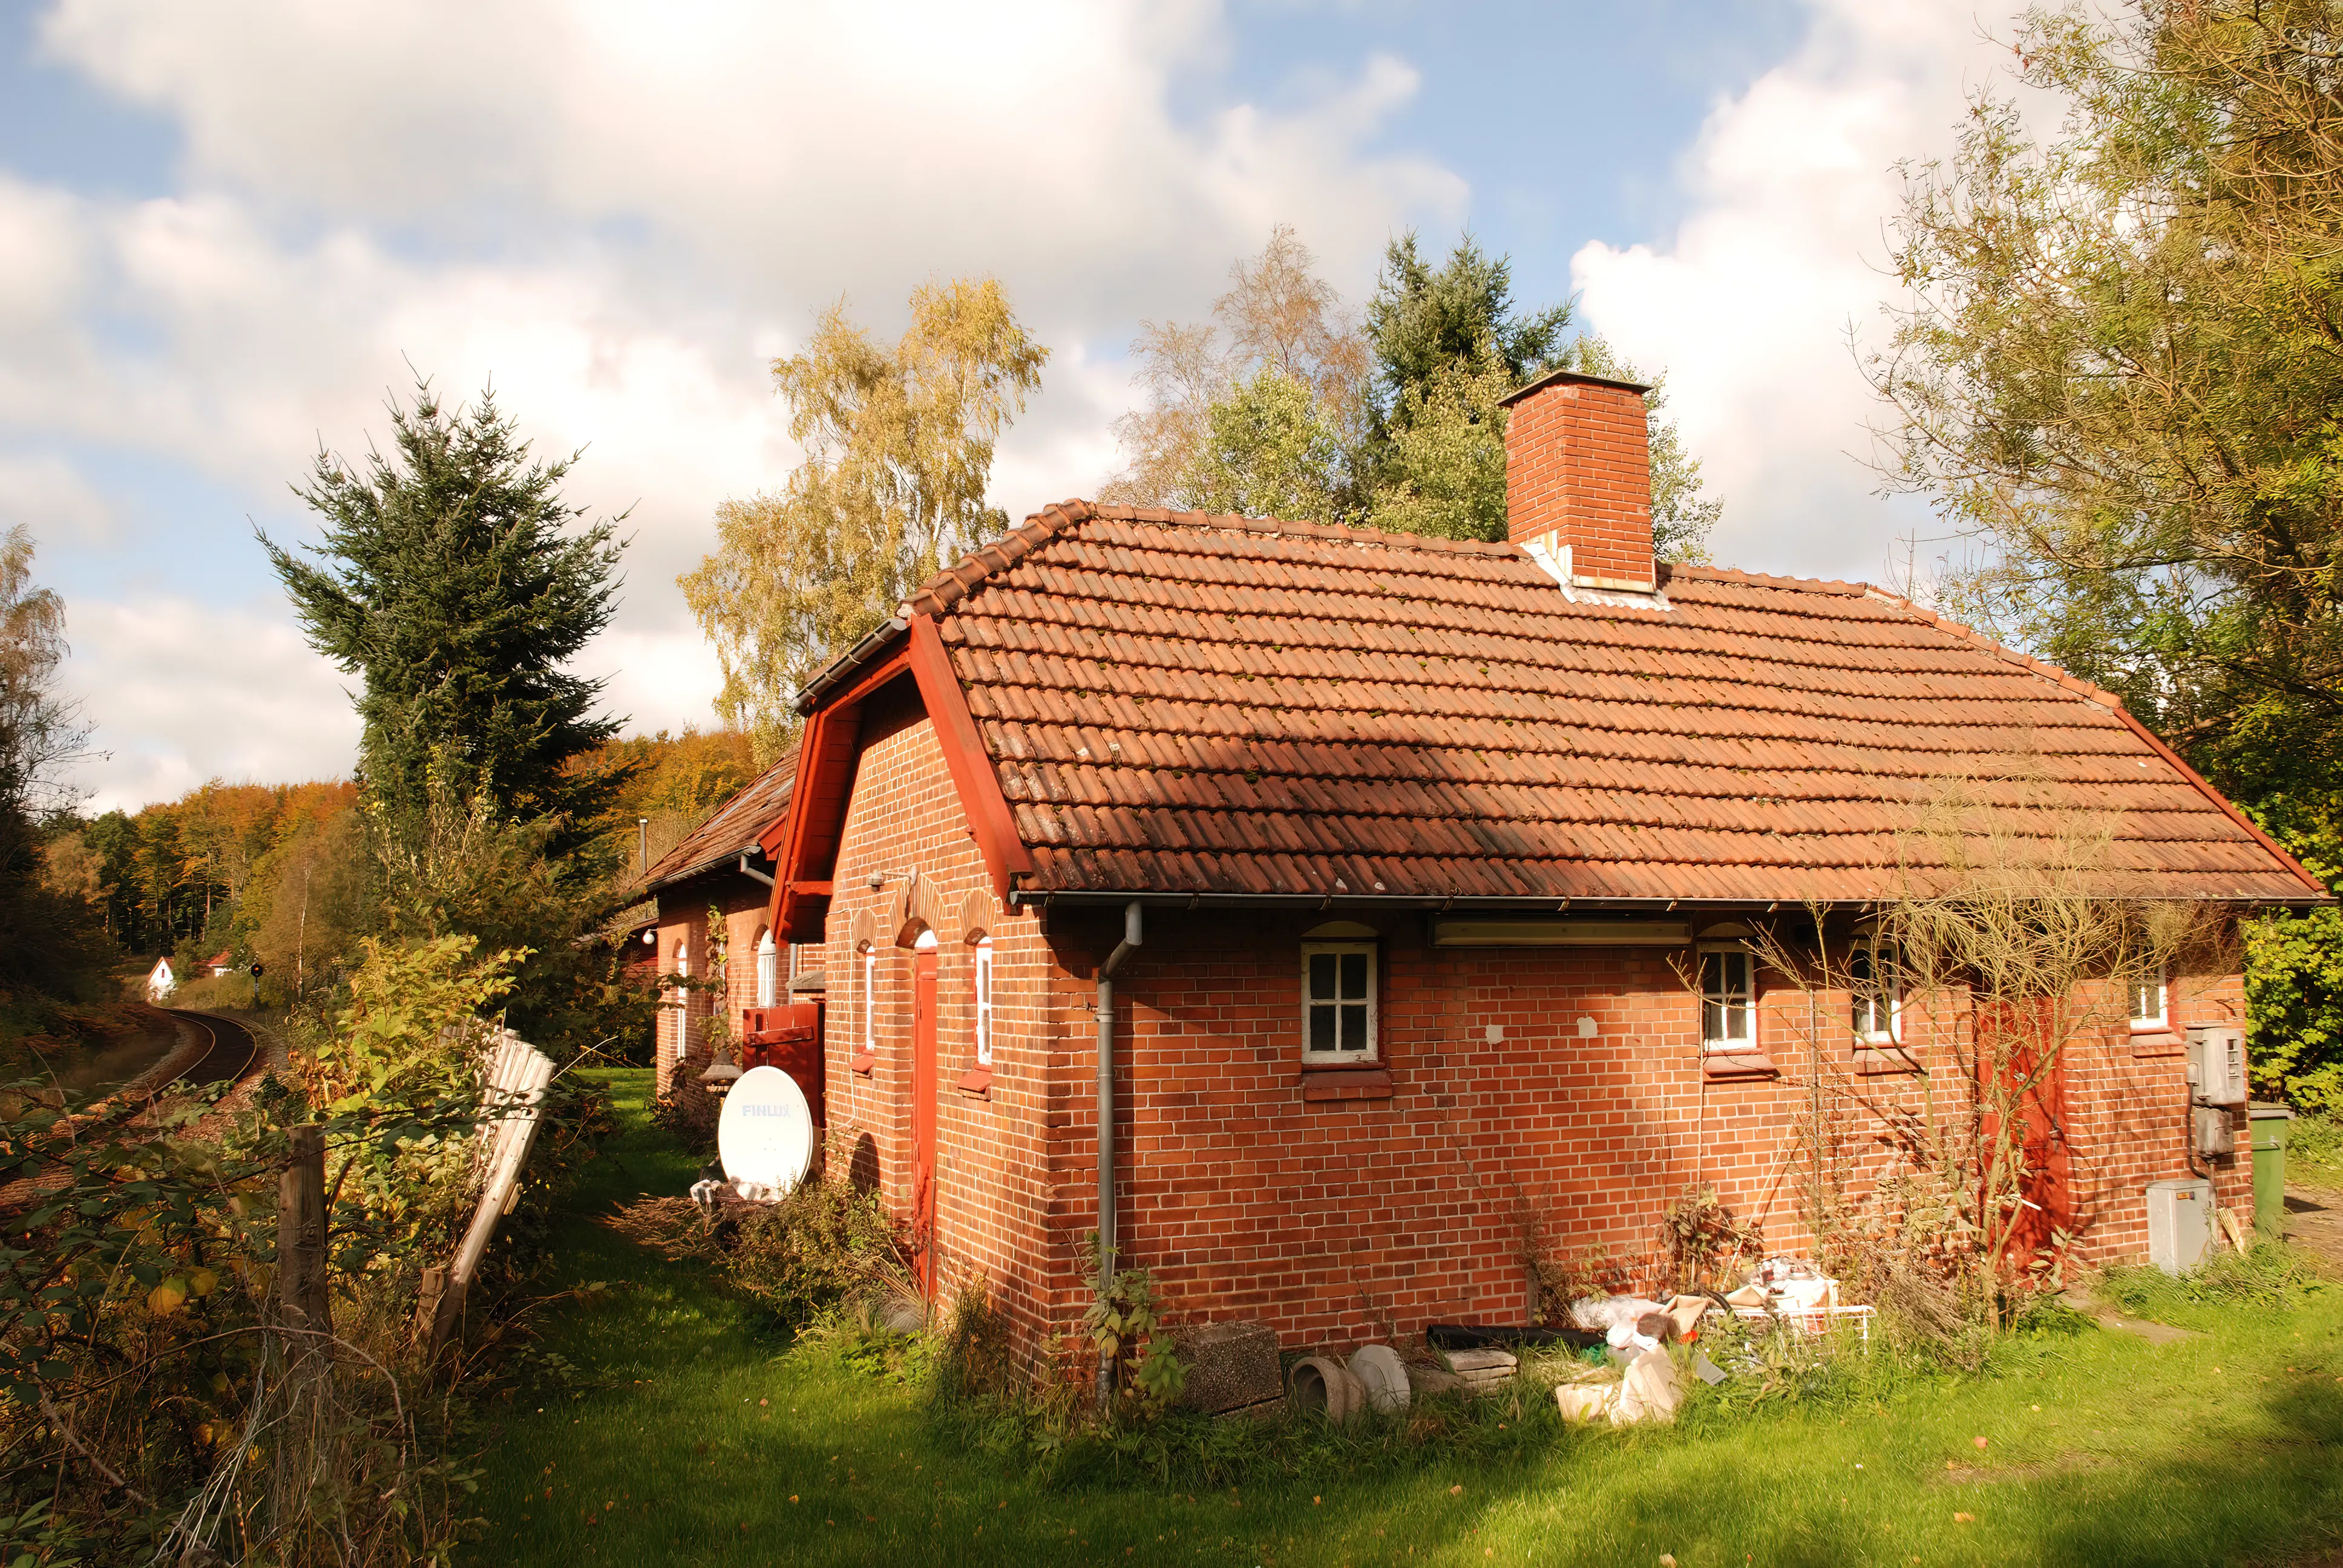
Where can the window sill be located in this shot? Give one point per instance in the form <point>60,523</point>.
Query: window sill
<point>863,1064</point>
<point>1328,1083</point>
<point>1737,1067</point>
<point>976,1083</point>
<point>2156,1042</point>
<point>1884,1061</point>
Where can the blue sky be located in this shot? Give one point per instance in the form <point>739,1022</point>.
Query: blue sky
<point>230,228</point>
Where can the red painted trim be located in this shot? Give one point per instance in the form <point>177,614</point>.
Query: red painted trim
<point>964,756</point>
<point>817,795</point>
<point>2214,796</point>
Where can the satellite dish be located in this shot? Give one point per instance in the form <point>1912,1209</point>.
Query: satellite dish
<point>765,1136</point>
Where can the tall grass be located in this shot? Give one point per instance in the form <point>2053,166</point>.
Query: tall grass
<point>2314,1149</point>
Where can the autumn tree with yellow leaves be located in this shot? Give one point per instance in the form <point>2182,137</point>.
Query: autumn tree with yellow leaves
<point>898,449</point>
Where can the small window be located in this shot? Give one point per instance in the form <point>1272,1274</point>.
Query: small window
<point>769,971</point>
<point>2148,1004</point>
<point>1873,975</point>
<point>1728,998</point>
<point>984,1003</point>
<point>1338,991</point>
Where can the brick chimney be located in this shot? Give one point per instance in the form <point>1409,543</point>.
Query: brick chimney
<point>1578,480</point>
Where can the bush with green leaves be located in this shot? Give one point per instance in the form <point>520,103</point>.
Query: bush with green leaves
<point>144,1382</point>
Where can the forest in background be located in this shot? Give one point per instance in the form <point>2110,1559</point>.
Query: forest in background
<point>278,874</point>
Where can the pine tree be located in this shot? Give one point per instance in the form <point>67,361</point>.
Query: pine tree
<point>452,583</point>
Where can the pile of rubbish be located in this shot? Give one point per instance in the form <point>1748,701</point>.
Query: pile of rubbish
<point>712,1195</point>
<point>1627,1371</point>
<point>1795,1291</point>
<point>1636,1332</point>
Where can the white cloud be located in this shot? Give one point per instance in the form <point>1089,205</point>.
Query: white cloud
<point>1781,251</point>
<point>182,692</point>
<point>619,212</point>
<point>49,496</point>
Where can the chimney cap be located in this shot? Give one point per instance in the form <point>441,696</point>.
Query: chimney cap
<point>1569,378</point>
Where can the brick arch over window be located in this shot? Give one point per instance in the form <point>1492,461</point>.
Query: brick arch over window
<point>978,914</point>
<point>916,909</point>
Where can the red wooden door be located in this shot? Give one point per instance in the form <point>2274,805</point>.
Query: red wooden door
<point>2046,1194</point>
<point>923,1118</point>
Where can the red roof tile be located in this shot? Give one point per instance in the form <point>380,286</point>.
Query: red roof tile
<point>1182,703</point>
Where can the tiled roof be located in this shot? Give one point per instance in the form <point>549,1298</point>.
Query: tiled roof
<point>732,829</point>
<point>1182,703</point>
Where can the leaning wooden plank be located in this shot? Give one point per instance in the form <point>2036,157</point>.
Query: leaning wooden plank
<point>512,1107</point>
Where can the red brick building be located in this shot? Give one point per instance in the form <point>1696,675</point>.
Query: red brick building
<point>718,866</point>
<point>1398,894</point>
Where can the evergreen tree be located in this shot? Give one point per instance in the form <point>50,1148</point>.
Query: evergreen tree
<point>451,582</point>
<point>1426,321</point>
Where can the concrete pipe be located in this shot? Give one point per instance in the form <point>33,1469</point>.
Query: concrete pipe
<point>1324,1386</point>
<point>1381,1376</point>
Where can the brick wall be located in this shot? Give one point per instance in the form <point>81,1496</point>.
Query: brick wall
<point>1345,1220</point>
<point>1578,466</point>
<point>680,1038</point>
<point>1001,1172</point>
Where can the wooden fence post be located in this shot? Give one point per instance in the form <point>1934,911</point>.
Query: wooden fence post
<point>301,1291</point>
<point>305,1307</point>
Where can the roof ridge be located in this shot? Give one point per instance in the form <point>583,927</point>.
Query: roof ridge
<point>1833,586</point>
<point>950,586</point>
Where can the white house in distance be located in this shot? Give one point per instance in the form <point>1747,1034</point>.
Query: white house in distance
<point>160,981</point>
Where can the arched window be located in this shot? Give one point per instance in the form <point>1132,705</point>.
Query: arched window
<point>769,971</point>
<point>870,1002</point>
<point>679,1046</point>
<point>984,1003</point>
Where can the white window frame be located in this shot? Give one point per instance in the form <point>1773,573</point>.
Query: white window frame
<point>2160,1021</point>
<point>1373,1053</point>
<point>769,970</point>
<point>982,975</point>
<point>1726,1044</point>
<point>1887,996</point>
<point>871,1002</point>
<point>682,1046</point>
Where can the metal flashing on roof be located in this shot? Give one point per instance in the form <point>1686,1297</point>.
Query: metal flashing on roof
<point>1569,378</point>
<point>1553,558</point>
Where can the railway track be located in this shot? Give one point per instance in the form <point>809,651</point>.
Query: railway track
<point>232,1052</point>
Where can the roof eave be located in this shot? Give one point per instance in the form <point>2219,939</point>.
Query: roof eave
<point>700,869</point>
<point>1549,904</point>
<point>847,663</point>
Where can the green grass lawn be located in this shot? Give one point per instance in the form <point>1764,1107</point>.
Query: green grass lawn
<point>708,1438</point>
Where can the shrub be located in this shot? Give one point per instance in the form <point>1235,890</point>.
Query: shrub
<point>2314,1148</point>
<point>822,1249</point>
<point>688,1115</point>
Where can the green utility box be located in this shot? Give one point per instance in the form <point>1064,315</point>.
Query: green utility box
<point>2269,1128</point>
